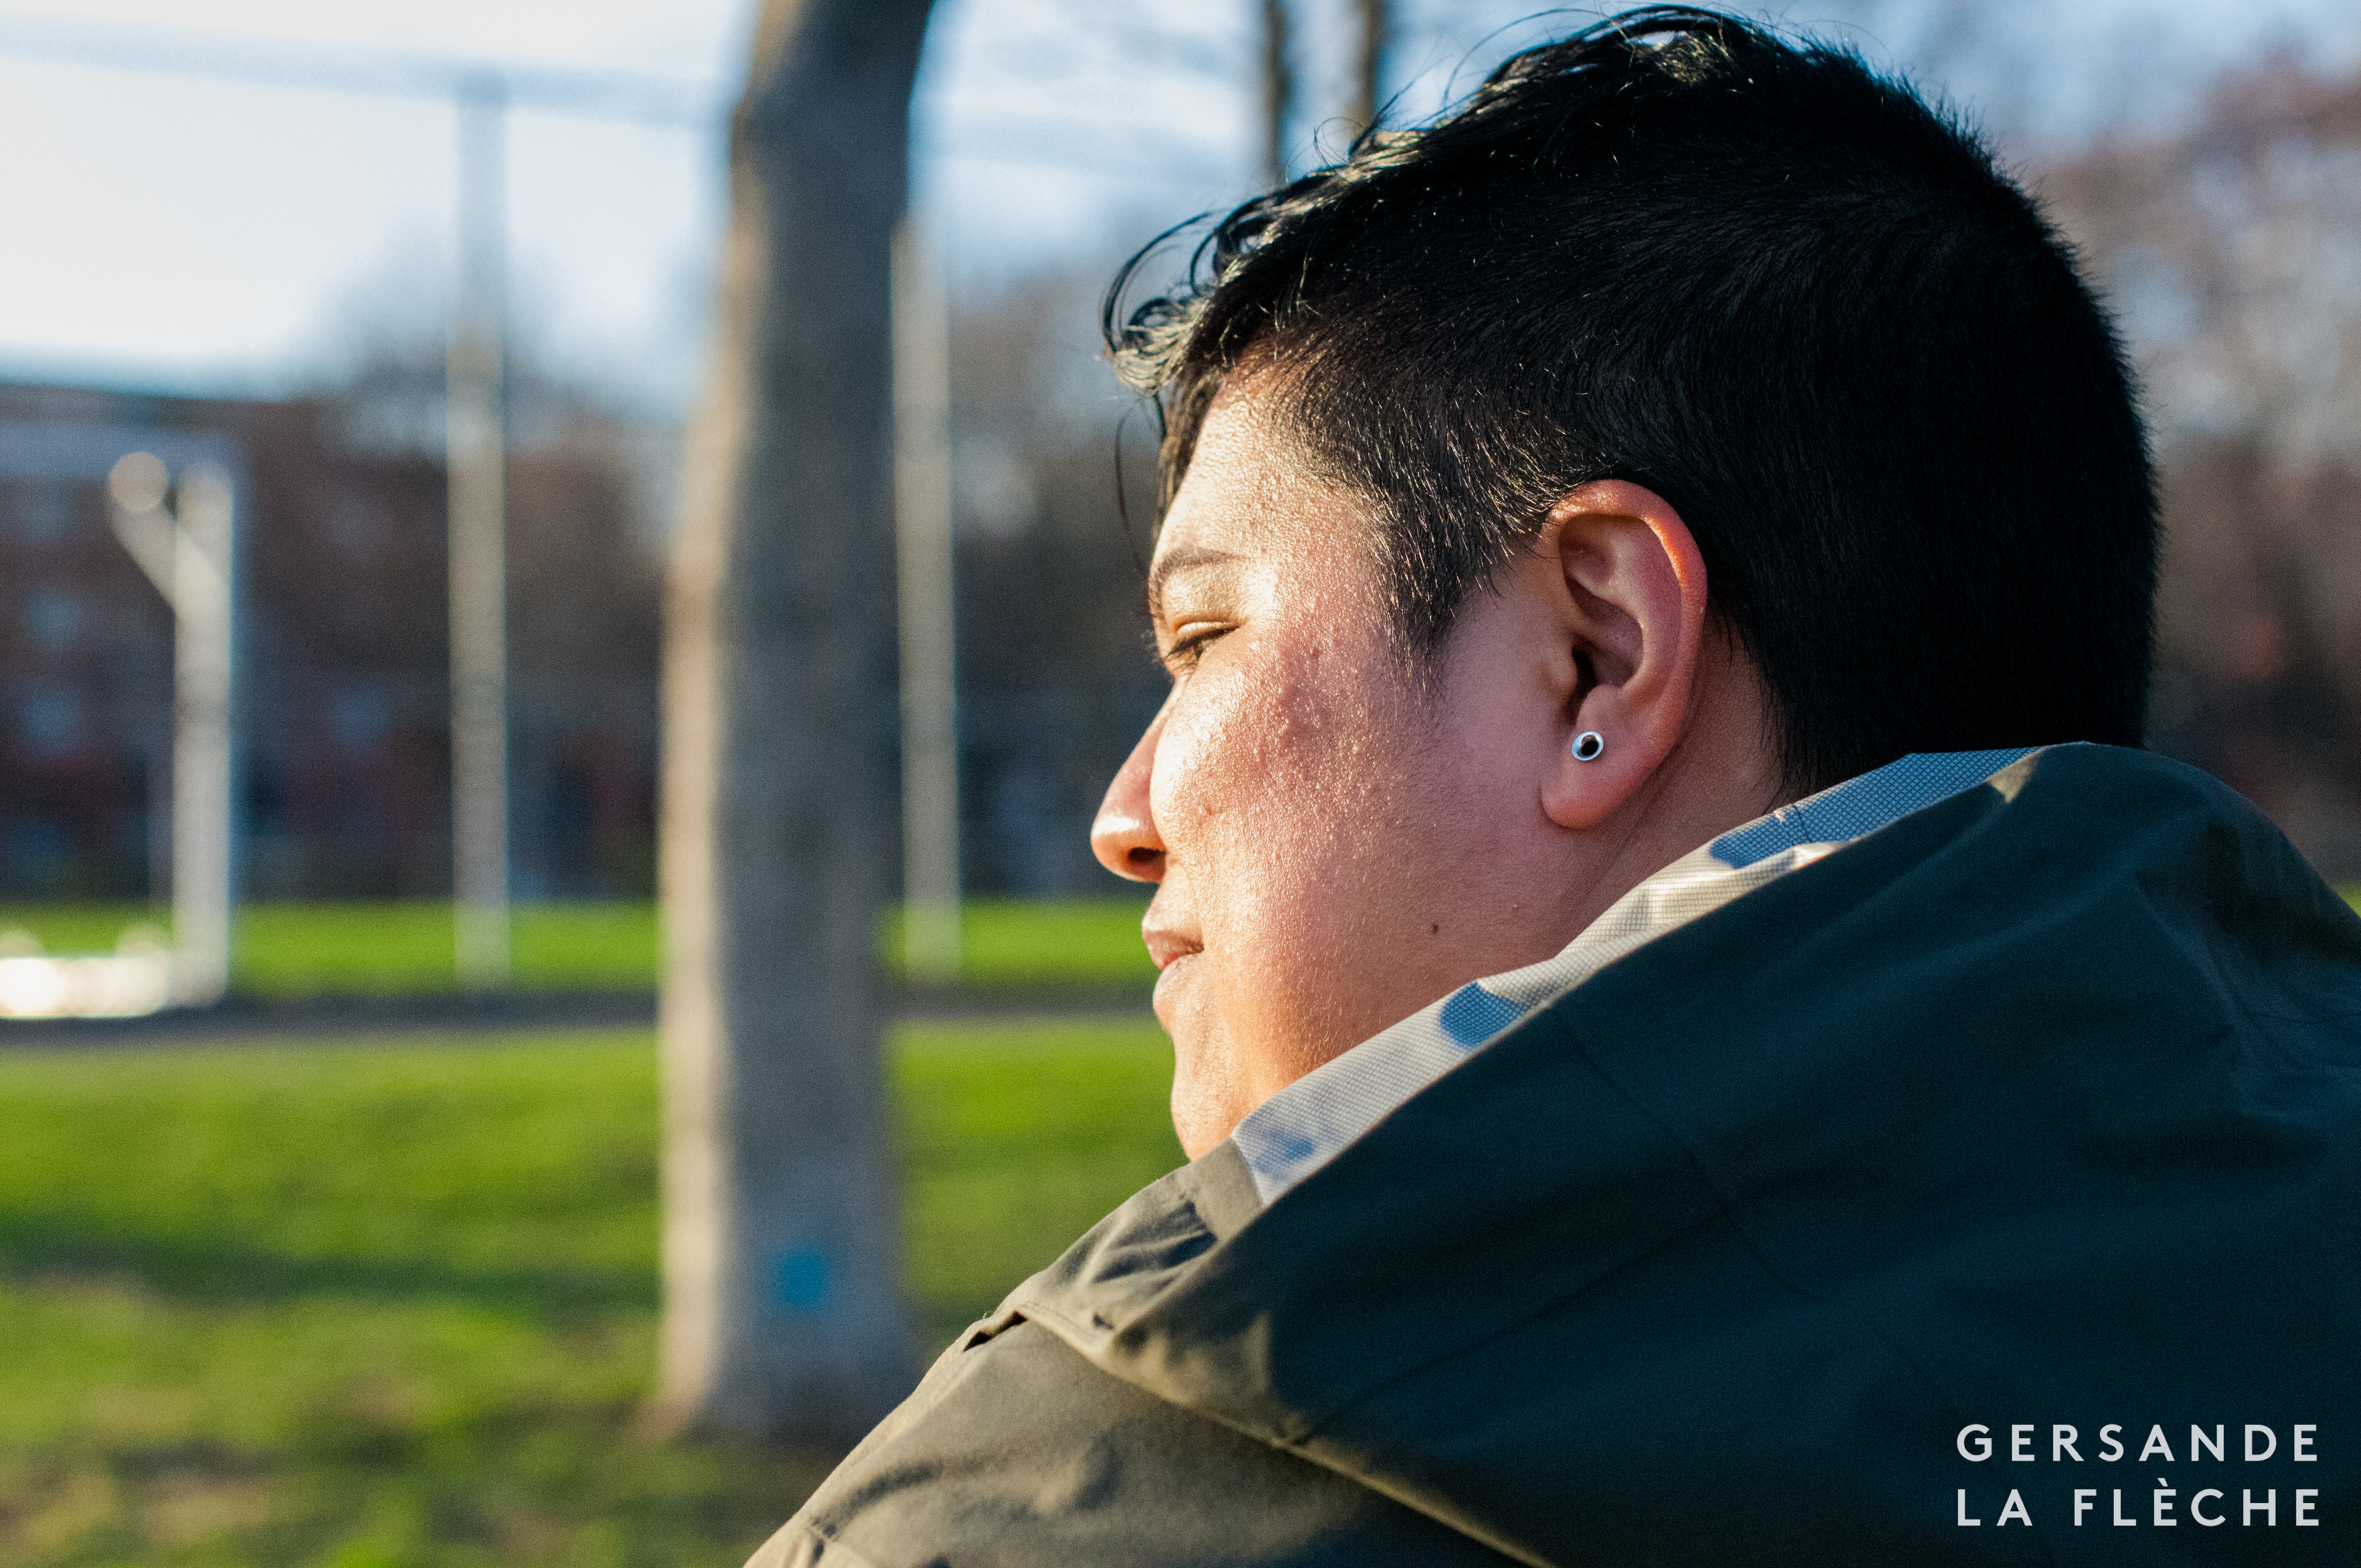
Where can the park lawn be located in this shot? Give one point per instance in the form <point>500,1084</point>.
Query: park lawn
<point>1018,942</point>
<point>396,1303</point>
<point>405,948</point>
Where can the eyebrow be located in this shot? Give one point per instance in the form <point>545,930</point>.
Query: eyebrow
<point>1188,558</point>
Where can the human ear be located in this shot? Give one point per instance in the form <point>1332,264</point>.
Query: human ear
<point>1629,590</point>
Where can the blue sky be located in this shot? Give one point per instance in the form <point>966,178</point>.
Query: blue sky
<point>178,232</point>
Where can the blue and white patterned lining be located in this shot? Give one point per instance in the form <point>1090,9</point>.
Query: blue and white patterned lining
<point>1302,1127</point>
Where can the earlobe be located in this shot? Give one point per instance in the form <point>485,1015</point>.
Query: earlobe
<point>1633,609</point>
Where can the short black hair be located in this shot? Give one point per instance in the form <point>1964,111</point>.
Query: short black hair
<point>1766,283</point>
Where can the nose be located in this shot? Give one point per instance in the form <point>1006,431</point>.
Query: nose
<point>1123,835</point>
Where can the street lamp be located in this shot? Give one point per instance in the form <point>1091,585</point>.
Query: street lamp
<point>187,551</point>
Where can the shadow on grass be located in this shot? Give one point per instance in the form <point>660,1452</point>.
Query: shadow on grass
<point>526,1484</point>
<point>218,1272</point>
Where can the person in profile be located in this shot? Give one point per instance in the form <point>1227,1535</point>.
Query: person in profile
<point>1701,1035</point>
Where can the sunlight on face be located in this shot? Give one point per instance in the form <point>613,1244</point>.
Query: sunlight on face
<point>1297,800</point>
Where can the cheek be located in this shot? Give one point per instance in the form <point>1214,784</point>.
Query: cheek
<point>1254,782</point>
<point>1276,797</point>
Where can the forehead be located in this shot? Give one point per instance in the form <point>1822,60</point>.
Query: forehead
<point>1246,494</point>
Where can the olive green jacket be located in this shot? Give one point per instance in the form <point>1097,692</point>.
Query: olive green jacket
<point>2039,1108</point>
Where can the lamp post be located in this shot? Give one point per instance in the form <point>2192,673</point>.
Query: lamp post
<point>477,457</point>
<point>922,528</point>
<point>188,553</point>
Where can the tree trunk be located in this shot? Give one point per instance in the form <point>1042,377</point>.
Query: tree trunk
<point>783,1310</point>
<point>1374,36</point>
<point>1277,91</point>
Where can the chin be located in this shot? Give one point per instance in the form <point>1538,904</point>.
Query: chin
<point>1170,999</point>
<point>1199,1125</point>
<point>1209,1092</point>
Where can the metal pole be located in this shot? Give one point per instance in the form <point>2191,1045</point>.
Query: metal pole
<point>474,370</point>
<point>204,571</point>
<point>922,513</point>
<point>190,558</point>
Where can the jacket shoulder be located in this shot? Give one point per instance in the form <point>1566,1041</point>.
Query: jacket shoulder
<point>1016,1450</point>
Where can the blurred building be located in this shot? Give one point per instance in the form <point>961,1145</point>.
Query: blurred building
<point>344,707</point>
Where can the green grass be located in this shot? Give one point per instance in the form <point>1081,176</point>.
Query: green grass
<point>396,1303</point>
<point>1017,942</point>
<point>405,949</point>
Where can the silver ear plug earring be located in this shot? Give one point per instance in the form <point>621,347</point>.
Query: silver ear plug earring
<point>1588,745</point>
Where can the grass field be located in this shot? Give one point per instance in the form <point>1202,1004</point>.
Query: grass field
<point>405,949</point>
<point>395,1304</point>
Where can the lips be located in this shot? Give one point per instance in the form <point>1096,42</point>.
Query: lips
<point>1167,946</point>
